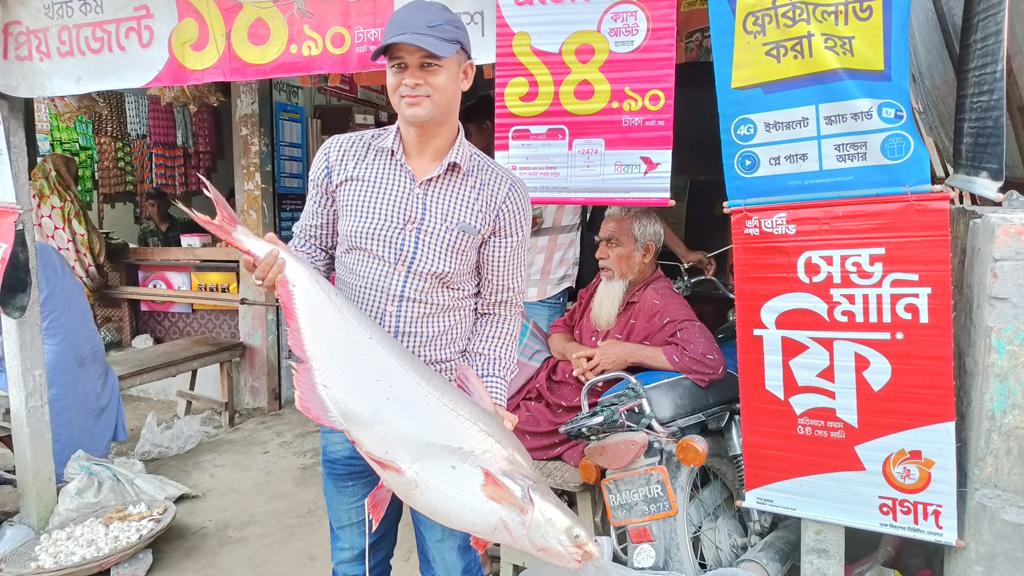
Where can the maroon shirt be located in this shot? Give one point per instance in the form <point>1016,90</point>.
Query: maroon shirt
<point>653,314</point>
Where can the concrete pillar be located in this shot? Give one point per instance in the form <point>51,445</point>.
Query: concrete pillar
<point>23,352</point>
<point>988,245</point>
<point>822,548</point>
<point>254,198</point>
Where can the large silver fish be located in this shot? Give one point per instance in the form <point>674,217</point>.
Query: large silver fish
<point>440,448</point>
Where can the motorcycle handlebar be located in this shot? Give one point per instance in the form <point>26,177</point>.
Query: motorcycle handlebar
<point>716,282</point>
<point>585,404</point>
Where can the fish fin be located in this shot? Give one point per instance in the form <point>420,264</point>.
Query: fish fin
<point>382,465</point>
<point>479,544</point>
<point>498,492</point>
<point>307,396</point>
<point>226,225</point>
<point>377,504</point>
<point>467,381</point>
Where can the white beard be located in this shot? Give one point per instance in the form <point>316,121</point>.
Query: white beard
<point>607,303</point>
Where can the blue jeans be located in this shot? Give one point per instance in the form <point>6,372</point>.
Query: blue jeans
<point>545,312</point>
<point>348,480</point>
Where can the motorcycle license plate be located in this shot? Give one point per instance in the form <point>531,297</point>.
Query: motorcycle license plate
<point>639,496</point>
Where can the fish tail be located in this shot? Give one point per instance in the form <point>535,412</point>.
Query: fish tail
<point>226,225</point>
<point>229,228</point>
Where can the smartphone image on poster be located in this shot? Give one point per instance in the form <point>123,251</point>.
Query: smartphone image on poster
<point>588,159</point>
<point>540,153</point>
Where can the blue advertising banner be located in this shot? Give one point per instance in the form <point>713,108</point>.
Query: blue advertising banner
<point>290,148</point>
<point>814,100</point>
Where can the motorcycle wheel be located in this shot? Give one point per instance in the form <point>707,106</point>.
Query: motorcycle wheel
<point>712,531</point>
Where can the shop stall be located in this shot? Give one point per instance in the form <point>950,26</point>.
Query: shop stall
<point>127,144</point>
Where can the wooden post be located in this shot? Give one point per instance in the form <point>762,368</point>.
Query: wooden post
<point>23,354</point>
<point>822,548</point>
<point>254,197</point>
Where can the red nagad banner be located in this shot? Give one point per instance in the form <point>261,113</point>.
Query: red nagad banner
<point>66,47</point>
<point>844,318</point>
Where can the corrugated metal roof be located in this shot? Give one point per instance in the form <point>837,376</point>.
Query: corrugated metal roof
<point>935,39</point>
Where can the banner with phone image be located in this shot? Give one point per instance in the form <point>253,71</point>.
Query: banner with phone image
<point>582,117</point>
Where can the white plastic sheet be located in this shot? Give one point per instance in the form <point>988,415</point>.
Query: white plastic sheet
<point>14,534</point>
<point>175,437</point>
<point>137,565</point>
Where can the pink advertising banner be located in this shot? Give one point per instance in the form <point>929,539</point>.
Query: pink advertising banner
<point>65,47</point>
<point>8,203</point>
<point>585,94</point>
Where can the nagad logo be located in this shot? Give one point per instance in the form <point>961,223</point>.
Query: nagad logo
<point>908,472</point>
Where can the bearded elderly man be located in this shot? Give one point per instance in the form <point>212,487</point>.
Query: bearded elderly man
<point>629,318</point>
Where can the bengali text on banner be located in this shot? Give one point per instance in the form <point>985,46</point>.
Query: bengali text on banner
<point>814,99</point>
<point>844,323</point>
<point>65,47</point>
<point>585,98</point>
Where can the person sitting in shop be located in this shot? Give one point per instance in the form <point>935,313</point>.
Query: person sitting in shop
<point>85,398</point>
<point>628,318</point>
<point>161,228</point>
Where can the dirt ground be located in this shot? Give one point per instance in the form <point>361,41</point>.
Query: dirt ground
<point>260,509</point>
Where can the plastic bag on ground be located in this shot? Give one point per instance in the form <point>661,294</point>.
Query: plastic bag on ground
<point>596,568</point>
<point>137,565</point>
<point>176,436</point>
<point>14,534</point>
<point>95,483</point>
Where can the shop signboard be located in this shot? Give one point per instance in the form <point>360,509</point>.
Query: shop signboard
<point>290,144</point>
<point>585,94</point>
<point>814,99</point>
<point>844,322</point>
<point>63,47</point>
<point>8,203</point>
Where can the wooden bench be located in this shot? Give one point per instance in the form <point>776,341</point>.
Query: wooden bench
<point>560,477</point>
<point>141,366</point>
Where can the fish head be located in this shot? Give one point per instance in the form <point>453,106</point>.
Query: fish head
<point>556,534</point>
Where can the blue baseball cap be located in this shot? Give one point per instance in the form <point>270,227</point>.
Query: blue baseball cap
<point>429,25</point>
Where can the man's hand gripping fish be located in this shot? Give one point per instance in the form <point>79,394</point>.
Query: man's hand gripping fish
<point>440,448</point>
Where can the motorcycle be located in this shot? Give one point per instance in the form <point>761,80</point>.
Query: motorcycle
<point>671,455</point>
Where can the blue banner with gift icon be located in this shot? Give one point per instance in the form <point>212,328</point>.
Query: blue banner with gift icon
<point>814,100</point>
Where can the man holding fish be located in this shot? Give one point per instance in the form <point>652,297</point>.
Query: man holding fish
<point>427,235</point>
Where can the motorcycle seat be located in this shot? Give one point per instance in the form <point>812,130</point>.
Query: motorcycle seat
<point>673,396</point>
